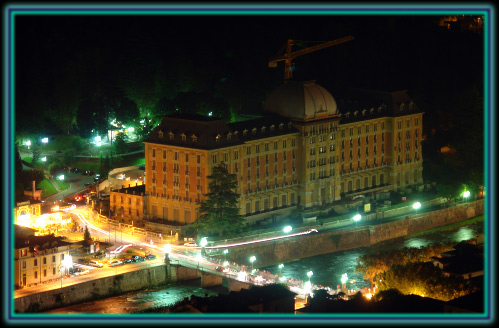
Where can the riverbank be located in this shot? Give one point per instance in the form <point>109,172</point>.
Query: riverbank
<point>474,220</point>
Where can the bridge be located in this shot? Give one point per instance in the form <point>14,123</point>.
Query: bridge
<point>185,269</point>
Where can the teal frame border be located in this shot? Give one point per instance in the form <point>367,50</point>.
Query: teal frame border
<point>486,10</point>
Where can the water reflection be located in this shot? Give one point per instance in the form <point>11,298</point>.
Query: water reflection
<point>328,268</point>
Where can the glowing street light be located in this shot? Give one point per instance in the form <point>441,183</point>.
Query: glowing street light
<point>252,259</point>
<point>226,251</point>
<point>466,194</point>
<point>167,249</point>
<point>357,218</point>
<point>28,143</point>
<point>44,159</point>
<point>61,177</point>
<point>287,229</point>
<point>309,274</point>
<point>198,258</point>
<point>416,206</point>
<point>45,140</point>
<point>203,244</point>
<point>280,269</point>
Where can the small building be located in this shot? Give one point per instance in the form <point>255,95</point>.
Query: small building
<point>129,204</point>
<point>38,258</point>
<point>466,260</point>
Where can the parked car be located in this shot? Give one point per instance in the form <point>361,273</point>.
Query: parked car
<point>138,258</point>
<point>87,173</point>
<point>219,268</point>
<point>87,184</point>
<point>115,262</point>
<point>127,259</point>
<point>74,170</point>
<point>150,257</point>
<point>95,263</point>
<point>190,244</point>
<point>82,272</point>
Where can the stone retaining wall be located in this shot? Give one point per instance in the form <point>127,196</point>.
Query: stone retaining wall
<point>289,249</point>
<point>86,291</point>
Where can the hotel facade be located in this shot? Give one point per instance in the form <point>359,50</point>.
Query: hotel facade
<point>307,150</point>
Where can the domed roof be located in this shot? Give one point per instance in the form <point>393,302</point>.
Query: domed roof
<point>301,100</point>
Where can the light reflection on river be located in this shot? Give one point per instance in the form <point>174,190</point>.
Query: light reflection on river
<point>328,268</point>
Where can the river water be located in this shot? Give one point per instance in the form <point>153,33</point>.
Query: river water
<point>328,268</point>
<point>327,271</point>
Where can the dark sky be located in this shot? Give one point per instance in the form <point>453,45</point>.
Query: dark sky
<point>389,52</point>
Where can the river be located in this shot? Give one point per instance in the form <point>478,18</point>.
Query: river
<point>328,268</point>
<point>327,271</point>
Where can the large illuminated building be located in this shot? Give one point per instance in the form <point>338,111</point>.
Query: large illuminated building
<point>308,150</point>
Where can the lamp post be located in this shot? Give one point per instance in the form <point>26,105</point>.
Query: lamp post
<point>280,269</point>
<point>309,274</point>
<point>226,251</point>
<point>198,258</point>
<point>203,243</point>
<point>45,141</point>
<point>167,249</point>
<point>416,206</point>
<point>357,218</point>
<point>466,194</point>
<point>287,229</point>
<point>252,259</point>
<point>344,279</point>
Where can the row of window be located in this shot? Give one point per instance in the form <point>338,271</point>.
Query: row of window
<point>266,203</point>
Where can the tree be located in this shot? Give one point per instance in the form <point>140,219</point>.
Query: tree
<point>35,150</point>
<point>28,176</point>
<point>127,111</point>
<point>86,236</point>
<point>220,211</point>
<point>424,279</point>
<point>120,146</point>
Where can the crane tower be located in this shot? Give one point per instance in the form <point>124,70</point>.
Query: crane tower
<point>289,55</point>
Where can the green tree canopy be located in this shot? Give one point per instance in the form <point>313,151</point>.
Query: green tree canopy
<point>220,211</point>
<point>120,145</point>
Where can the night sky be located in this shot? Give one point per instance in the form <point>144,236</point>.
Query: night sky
<point>160,56</point>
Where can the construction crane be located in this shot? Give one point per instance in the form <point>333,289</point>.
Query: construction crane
<point>288,56</point>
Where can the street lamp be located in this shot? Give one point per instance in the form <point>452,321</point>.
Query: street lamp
<point>416,206</point>
<point>252,259</point>
<point>466,194</point>
<point>167,249</point>
<point>357,218</point>
<point>280,269</point>
<point>287,229</point>
<point>344,279</point>
<point>309,274</point>
<point>198,258</point>
<point>226,251</point>
<point>203,243</point>
<point>65,264</point>
<point>45,141</point>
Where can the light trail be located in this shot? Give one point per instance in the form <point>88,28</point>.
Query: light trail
<point>82,218</point>
<point>254,241</point>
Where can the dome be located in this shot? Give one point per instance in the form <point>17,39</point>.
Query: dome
<point>301,100</point>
